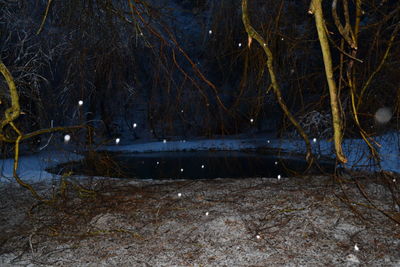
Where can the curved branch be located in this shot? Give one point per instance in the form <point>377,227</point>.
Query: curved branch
<point>14,111</point>
<point>44,17</point>
<point>275,86</point>
<point>371,77</point>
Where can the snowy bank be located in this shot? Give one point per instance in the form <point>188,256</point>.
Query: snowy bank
<point>32,168</point>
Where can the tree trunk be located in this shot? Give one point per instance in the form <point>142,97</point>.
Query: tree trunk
<point>316,9</point>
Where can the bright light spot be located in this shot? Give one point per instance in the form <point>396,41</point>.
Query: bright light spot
<point>356,248</point>
<point>134,125</point>
<point>179,194</point>
<point>314,140</point>
<point>276,163</point>
<point>383,115</point>
<point>265,44</point>
<point>258,236</point>
<point>282,39</point>
<point>181,170</point>
<point>394,180</point>
<point>117,140</point>
<point>202,166</point>
<point>210,32</point>
<point>67,137</point>
<point>240,44</point>
<point>164,141</point>
<point>207,213</point>
<point>80,102</point>
<point>279,177</point>
<point>268,141</point>
<point>158,162</point>
<point>251,120</point>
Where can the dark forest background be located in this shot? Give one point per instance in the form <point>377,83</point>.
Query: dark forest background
<point>184,68</point>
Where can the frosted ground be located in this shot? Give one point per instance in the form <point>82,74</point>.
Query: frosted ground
<point>309,221</point>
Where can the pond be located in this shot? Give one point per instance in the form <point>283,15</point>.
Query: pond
<point>189,165</point>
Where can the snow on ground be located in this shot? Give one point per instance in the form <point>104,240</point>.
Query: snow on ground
<point>32,168</point>
<point>219,222</point>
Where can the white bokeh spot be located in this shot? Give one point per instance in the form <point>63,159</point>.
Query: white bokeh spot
<point>67,138</point>
<point>383,115</point>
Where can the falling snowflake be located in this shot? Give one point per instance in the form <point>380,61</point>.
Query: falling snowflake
<point>314,140</point>
<point>164,141</point>
<point>356,248</point>
<point>251,120</point>
<point>279,177</point>
<point>67,137</point>
<point>276,163</point>
<point>210,32</point>
<point>80,102</point>
<point>202,166</point>
<point>268,141</point>
<point>181,170</point>
<point>117,140</point>
<point>240,44</point>
<point>258,236</point>
<point>134,125</point>
<point>207,213</point>
<point>179,194</point>
<point>158,162</point>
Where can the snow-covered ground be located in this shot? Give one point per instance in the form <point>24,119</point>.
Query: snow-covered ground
<point>220,222</point>
<point>32,168</point>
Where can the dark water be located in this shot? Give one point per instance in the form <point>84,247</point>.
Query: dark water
<point>190,165</point>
